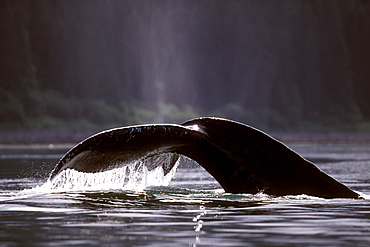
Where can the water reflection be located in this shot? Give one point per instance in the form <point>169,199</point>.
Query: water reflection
<point>192,211</point>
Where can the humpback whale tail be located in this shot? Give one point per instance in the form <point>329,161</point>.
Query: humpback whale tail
<point>241,158</point>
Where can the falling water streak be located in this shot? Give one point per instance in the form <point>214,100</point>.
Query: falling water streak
<point>197,219</point>
<point>135,176</point>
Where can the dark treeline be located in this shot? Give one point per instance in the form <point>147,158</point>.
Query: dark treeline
<point>282,65</point>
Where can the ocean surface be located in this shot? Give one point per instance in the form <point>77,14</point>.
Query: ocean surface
<point>133,207</point>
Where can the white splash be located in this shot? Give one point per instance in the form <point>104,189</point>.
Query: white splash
<point>135,176</point>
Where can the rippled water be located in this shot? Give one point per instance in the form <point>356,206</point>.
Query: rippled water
<point>191,211</point>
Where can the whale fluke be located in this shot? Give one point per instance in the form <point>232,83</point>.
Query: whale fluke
<point>241,158</point>
<point>156,145</point>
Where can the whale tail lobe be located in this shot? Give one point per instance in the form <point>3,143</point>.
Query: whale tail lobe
<point>241,158</point>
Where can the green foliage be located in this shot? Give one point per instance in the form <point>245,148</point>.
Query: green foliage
<point>175,114</point>
<point>55,111</point>
<point>100,113</point>
<point>236,111</point>
<point>134,113</point>
<point>12,113</point>
<point>364,126</point>
<point>78,71</point>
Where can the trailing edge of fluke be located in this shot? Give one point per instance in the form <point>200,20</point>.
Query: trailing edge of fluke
<point>241,158</point>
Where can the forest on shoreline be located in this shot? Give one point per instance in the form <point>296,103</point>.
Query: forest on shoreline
<point>291,65</point>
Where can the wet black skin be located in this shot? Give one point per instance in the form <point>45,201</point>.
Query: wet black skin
<point>241,158</point>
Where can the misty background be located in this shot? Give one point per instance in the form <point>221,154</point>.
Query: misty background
<point>288,65</point>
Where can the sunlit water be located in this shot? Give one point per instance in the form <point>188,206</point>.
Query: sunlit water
<point>189,210</point>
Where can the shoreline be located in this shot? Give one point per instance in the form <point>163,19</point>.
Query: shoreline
<point>323,138</point>
<point>71,138</point>
<point>43,137</point>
